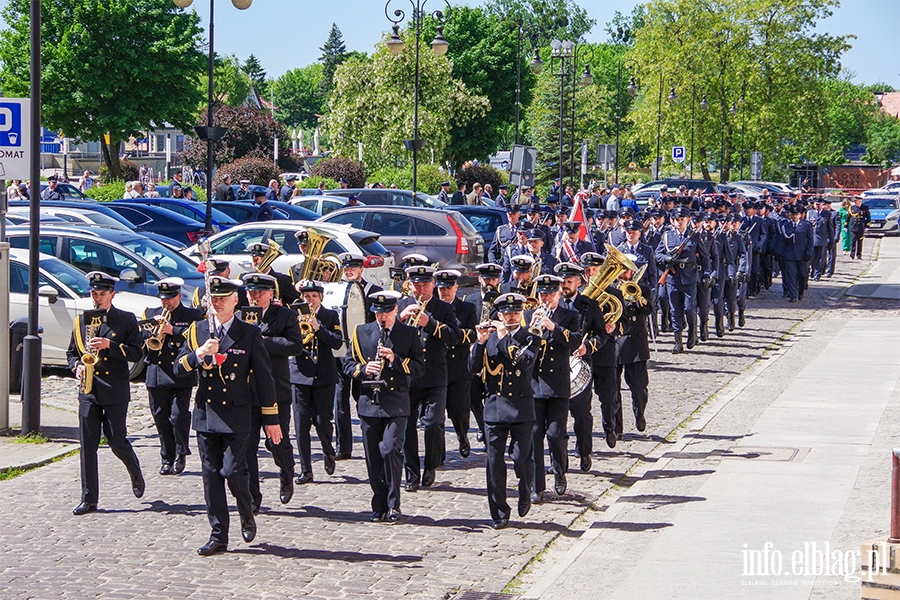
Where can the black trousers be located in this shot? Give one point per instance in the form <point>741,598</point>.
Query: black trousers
<point>606,387</point>
<point>428,405</point>
<point>343,420</point>
<point>582,422</point>
<point>550,416</point>
<point>704,301</point>
<point>495,438</point>
<point>223,456</point>
<point>717,296</point>
<point>683,301</point>
<point>92,418</point>
<point>476,401</point>
<point>458,404</point>
<point>820,253</point>
<point>830,259</point>
<point>313,405</point>
<point>730,291</point>
<point>767,264</point>
<point>282,453</point>
<point>856,243</point>
<point>637,379</point>
<point>171,409</point>
<point>383,444</point>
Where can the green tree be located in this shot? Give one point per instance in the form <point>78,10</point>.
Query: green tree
<point>882,139</point>
<point>298,96</point>
<point>231,85</point>
<point>621,28</point>
<point>334,52</point>
<point>250,133</point>
<point>253,69</point>
<point>545,20</point>
<point>108,67</point>
<point>372,103</point>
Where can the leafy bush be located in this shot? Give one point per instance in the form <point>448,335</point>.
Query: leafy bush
<point>130,170</point>
<point>313,182</point>
<point>428,178</point>
<point>258,170</point>
<point>109,191</point>
<point>250,133</point>
<point>471,174</point>
<point>335,168</point>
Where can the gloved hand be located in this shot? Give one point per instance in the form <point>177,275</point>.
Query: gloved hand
<point>711,283</point>
<point>668,260</point>
<point>705,283</point>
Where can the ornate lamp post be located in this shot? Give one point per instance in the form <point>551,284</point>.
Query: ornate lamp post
<point>672,98</point>
<point>587,79</point>
<point>632,91</point>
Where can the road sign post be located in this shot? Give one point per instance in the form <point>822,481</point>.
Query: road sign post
<point>15,138</point>
<point>756,166</point>
<point>678,154</point>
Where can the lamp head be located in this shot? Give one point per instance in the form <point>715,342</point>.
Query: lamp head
<point>242,4</point>
<point>673,97</point>
<point>183,3</point>
<point>439,45</point>
<point>395,43</point>
<point>704,104</point>
<point>536,65</point>
<point>586,77</point>
<point>632,88</point>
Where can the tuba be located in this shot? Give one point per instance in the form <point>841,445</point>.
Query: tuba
<point>155,341</point>
<point>615,264</point>
<point>90,358</point>
<point>314,263</point>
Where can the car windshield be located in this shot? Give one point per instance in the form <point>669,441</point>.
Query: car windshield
<point>68,275</point>
<point>428,201</point>
<point>881,203</point>
<point>169,262</point>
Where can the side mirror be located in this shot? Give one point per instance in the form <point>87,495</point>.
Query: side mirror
<point>49,292</point>
<point>130,275</point>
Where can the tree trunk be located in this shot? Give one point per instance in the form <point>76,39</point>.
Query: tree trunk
<point>111,158</point>
<point>704,163</point>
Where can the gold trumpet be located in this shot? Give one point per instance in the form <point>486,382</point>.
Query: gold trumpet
<point>90,358</point>
<point>630,289</point>
<point>413,320</point>
<point>155,341</point>
<point>535,327</point>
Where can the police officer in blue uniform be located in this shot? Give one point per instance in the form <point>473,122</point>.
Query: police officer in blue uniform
<point>383,356</point>
<point>287,190</point>
<point>170,396</point>
<point>823,238</point>
<point>226,351</point>
<point>110,337</point>
<point>503,357</point>
<point>798,242</point>
<point>738,265</point>
<point>754,227</point>
<point>707,244</point>
<point>573,247</point>
<point>505,235</point>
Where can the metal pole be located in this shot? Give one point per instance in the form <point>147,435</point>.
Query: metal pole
<point>895,497</point>
<point>209,120</point>
<point>743,123</point>
<point>417,20</point>
<point>31,348</point>
<point>658,124</point>
<point>518,79</point>
<point>693,105</point>
<point>562,80</point>
<point>574,65</point>
<point>618,114</point>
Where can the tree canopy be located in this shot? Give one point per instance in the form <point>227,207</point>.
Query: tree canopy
<point>298,96</point>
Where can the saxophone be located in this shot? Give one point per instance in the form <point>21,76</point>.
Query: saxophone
<point>90,358</point>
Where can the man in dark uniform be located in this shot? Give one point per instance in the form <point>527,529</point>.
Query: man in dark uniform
<point>265,210</point>
<point>738,262</point>
<point>560,336</point>
<point>459,196</point>
<point>572,247</point>
<point>823,239</point>
<point>110,337</point>
<point>282,340</point>
<point>439,330</point>
<point>831,254</point>
<point>52,192</point>
<point>706,242</point>
<point>483,302</point>
<point>755,229</point>
<point>535,242</point>
<point>284,285</point>
<point>592,326</point>
<point>521,282</point>
<point>224,192</point>
<point>505,234</point>
<point>244,192</point>
<point>170,396</point>
<point>383,356</point>
<point>459,378</point>
<point>502,199</point>
<point>633,351</point>
<point>443,196</point>
<point>798,248</point>
<point>314,376</point>
<point>504,358</point>
<point>226,351</point>
<point>219,268</point>
<point>287,190</point>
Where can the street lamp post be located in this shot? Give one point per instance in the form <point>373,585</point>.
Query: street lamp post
<point>395,44</point>
<point>704,106</point>
<point>586,79</point>
<point>741,102</point>
<point>632,91</point>
<point>211,134</point>
<point>672,98</point>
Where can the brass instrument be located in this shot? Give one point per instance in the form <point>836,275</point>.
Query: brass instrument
<point>630,289</point>
<point>413,320</point>
<point>315,263</point>
<point>615,264</point>
<point>535,327</point>
<point>269,257</point>
<point>487,303</point>
<point>155,341</point>
<point>90,358</point>
<point>531,297</point>
<point>304,315</point>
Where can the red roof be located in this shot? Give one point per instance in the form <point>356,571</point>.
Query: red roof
<point>890,103</point>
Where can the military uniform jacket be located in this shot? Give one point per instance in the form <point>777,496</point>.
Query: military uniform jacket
<point>686,271</point>
<point>755,228</point>
<point>265,211</point>
<point>441,332</point>
<point>281,337</point>
<point>503,237</point>
<point>617,237</point>
<point>314,364</point>
<point>644,253</point>
<point>593,330</point>
<point>736,257</point>
<point>225,400</point>
<point>706,243</point>
<point>774,241</point>
<point>603,346</point>
<point>284,287</point>
<point>550,378</point>
<point>477,301</point>
<point>798,239</point>
<point>859,218</point>
<point>823,229</point>
<point>458,354</point>
<point>634,345</point>
<point>161,364</point>
<point>409,361</point>
<point>509,396</point>
<point>111,372</point>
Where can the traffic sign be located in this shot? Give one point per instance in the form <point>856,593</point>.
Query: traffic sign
<point>678,154</point>
<point>15,138</point>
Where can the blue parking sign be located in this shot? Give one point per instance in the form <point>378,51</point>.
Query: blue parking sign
<point>678,153</point>
<point>10,124</point>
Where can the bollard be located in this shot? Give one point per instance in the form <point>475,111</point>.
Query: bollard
<point>895,497</point>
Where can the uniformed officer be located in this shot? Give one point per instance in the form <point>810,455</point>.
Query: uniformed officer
<point>823,238</point>
<point>503,357</point>
<point>244,192</point>
<point>572,247</point>
<point>591,261</point>
<point>798,248</point>
<point>633,350</point>
<point>459,378</point>
<point>219,268</point>
<point>706,242</point>
<point>225,351</point>
<point>265,212</point>
<point>483,301</point>
<point>110,337</point>
<point>52,192</point>
<point>560,333</point>
<point>738,264</point>
<point>284,285</point>
<point>643,251</point>
<point>443,195</point>
<point>170,396</point>
<point>439,330</point>
<point>314,376</point>
<point>505,234</point>
<point>535,243</point>
<point>521,282</point>
<point>383,356</point>
<point>282,340</point>
<point>287,190</point>
<point>755,229</point>
<point>592,334</point>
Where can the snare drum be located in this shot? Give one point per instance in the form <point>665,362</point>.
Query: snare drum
<point>346,298</point>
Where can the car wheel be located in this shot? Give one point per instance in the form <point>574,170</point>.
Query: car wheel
<point>135,369</point>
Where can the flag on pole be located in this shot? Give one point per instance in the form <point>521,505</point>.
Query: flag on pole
<point>577,214</point>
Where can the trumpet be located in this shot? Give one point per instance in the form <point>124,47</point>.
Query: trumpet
<point>90,357</point>
<point>155,341</point>
<point>413,320</point>
<point>630,289</point>
<point>535,327</point>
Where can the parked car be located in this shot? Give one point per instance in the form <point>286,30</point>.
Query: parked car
<point>389,197</point>
<point>70,191</point>
<point>245,211</point>
<point>63,294</point>
<point>161,221</point>
<point>232,246</point>
<point>23,217</point>
<point>321,205</point>
<point>651,189</point>
<point>776,189</point>
<point>192,210</point>
<point>251,188</point>
<point>138,261</point>
<point>890,188</point>
<point>885,211</point>
<point>485,220</point>
<point>83,213</point>
<point>748,191</point>
<point>445,236</point>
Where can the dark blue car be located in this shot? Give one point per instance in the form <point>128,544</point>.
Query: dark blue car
<point>244,211</point>
<point>189,209</point>
<point>160,220</point>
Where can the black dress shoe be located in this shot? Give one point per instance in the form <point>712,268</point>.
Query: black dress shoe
<point>287,492</point>
<point>248,530</point>
<point>524,504</point>
<point>611,439</point>
<point>428,477</point>
<point>342,456</point>
<point>377,517</point>
<point>254,508</point>
<point>586,463</point>
<point>165,469</point>
<point>212,547</point>
<point>704,332</point>
<point>304,478</point>
<point>537,497</point>
<point>560,484</point>
<point>411,486</point>
<point>138,486</point>
<point>500,523</point>
<point>641,423</point>
<point>678,348</point>
<point>394,515</point>
<point>329,464</point>
<point>464,448</point>
<point>731,322</point>
<point>178,466</point>
<point>479,436</point>
<point>84,508</point>
<point>741,320</point>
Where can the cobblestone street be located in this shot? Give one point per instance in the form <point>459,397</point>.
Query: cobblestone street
<point>321,544</point>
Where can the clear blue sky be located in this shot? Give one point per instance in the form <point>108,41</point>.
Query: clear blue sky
<point>285,34</point>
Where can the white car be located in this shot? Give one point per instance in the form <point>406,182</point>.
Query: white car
<point>889,189</point>
<point>232,245</point>
<point>63,294</point>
